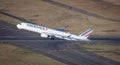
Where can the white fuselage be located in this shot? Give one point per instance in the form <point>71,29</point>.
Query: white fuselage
<point>50,32</point>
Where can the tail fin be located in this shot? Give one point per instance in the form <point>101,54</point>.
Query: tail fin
<point>87,33</point>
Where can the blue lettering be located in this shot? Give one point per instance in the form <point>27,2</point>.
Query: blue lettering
<point>36,26</point>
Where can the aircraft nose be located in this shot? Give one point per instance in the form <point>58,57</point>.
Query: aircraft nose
<point>18,26</point>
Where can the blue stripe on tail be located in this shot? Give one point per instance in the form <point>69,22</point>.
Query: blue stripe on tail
<point>89,30</point>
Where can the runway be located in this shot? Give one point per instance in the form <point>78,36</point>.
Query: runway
<point>61,50</point>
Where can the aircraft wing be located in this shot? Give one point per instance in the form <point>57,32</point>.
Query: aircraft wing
<point>62,28</point>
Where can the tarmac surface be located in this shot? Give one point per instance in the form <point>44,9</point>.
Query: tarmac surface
<point>61,50</point>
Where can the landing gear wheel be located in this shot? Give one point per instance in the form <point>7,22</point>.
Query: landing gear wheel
<point>52,38</point>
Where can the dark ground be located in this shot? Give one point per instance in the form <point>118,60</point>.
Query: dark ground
<point>62,50</point>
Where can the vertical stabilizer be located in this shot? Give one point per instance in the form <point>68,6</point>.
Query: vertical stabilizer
<point>87,33</point>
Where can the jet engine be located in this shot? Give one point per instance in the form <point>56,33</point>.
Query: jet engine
<point>44,35</point>
<point>47,36</point>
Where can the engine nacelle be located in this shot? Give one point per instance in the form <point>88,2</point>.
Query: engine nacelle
<point>44,35</point>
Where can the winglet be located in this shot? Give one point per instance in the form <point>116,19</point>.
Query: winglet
<point>62,28</point>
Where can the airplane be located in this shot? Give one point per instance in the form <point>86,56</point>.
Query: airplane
<point>55,33</point>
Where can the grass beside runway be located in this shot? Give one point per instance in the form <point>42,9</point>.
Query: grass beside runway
<point>106,50</point>
<point>11,55</point>
<point>41,12</point>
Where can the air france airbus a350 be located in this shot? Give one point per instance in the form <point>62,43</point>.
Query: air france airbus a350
<point>57,33</point>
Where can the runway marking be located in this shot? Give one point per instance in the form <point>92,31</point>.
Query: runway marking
<point>61,50</point>
<point>2,28</point>
<point>6,27</point>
